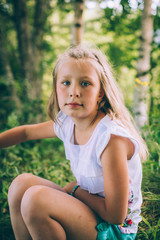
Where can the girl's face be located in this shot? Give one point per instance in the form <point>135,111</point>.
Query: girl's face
<point>78,89</point>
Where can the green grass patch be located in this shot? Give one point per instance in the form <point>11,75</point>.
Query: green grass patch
<point>46,158</point>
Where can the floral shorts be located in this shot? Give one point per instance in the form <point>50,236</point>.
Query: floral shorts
<point>107,231</point>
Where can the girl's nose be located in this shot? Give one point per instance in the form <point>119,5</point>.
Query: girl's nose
<point>74,92</point>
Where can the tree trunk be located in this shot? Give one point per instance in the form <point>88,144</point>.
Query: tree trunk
<point>30,51</point>
<point>40,17</point>
<point>143,67</point>
<point>78,22</point>
<point>6,72</point>
<point>25,48</point>
<point>30,47</point>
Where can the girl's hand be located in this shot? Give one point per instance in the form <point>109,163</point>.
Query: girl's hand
<point>69,187</point>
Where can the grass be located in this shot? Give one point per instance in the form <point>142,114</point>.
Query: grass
<point>37,157</point>
<point>149,228</point>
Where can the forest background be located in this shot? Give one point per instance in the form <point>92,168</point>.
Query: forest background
<point>32,34</point>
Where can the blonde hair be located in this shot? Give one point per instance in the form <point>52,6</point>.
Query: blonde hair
<point>112,103</point>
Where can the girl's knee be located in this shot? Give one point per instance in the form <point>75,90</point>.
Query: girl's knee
<point>33,204</point>
<point>18,187</point>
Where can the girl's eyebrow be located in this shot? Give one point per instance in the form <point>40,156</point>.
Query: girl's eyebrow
<point>82,77</point>
<point>65,76</point>
<point>91,78</point>
<point>86,77</point>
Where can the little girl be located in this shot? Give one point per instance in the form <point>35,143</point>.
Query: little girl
<point>104,150</point>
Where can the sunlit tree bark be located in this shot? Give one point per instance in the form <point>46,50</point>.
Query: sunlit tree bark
<point>143,67</point>
<point>78,22</point>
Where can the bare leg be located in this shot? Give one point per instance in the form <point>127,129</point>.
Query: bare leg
<point>15,195</point>
<point>53,215</point>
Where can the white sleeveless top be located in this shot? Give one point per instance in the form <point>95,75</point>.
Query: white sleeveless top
<point>85,161</point>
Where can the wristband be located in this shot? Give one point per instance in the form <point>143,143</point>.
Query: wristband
<point>74,190</point>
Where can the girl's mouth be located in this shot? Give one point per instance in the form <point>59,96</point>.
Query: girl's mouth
<point>74,104</point>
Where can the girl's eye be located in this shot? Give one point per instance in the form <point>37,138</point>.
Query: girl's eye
<point>66,83</point>
<point>85,84</point>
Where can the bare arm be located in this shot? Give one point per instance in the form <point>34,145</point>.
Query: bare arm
<point>112,208</point>
<point>26,132</point>
<point>116,180</point>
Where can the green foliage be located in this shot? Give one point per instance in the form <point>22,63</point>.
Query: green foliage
<point>150,226</point>
<point>5,92</point>
<point>44,158</point>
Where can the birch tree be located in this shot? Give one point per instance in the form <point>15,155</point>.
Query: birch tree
<point>143,67</point>
<point>78,22</point>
